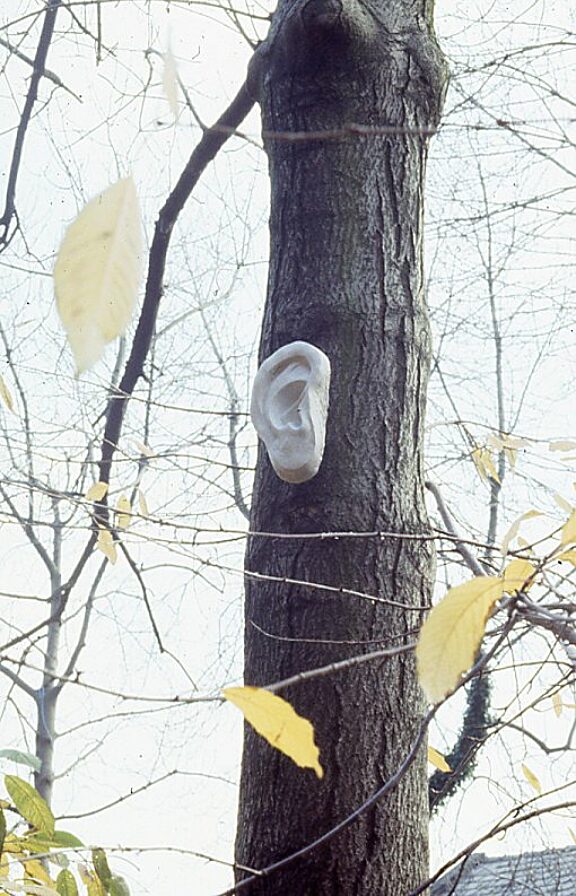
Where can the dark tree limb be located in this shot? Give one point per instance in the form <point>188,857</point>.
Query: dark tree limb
<point>476,721</point>
<point>462,758</point>
<point>9,213</point>
<point>211,142</point>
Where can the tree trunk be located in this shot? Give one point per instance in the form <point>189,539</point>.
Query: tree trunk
<point>345,275</point>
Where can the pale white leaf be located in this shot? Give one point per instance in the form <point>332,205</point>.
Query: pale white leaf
<point>97,272</point>
<point>105,543</point>
<point>170,81</point>
<point>143,504</point>
<point>123,512</point>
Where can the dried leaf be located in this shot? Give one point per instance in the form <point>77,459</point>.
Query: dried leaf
<point>451,636</point>
<point>105,543</point>
<point>143,504</point>
<point>484,464</point>
<point>5,395</point>
<point>279,724</point>
<point>557,703</point>
<point>96,492</point>
<point>123,512</point>
<point>561,445</point>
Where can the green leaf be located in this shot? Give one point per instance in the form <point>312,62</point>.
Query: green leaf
<point>118,887</point>
<point>38,843</point>
<point>63,838</point>
<point>23,758</point>
<point>66,884</point>
<point>2,830</point>
<point>101,867</point>
<point>30,804</point>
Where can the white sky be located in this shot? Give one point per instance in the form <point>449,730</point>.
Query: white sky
<point>73,150</point>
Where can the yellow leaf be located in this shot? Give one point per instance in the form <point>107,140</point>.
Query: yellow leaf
<point>561,446</point>
<point>35,869</point>
<point>105,543</point>
<point>437,759</point>
<point>572,834</point>
<point>97,272</point>
<point>13,844</point>
<point>484,463</point>
<point>568,557</point>
<point>143,504</point>
<point>96,492</point>
<point>517,574</point>
<point>30,804</point>
<point>569,530</point>
<point>451,635</point>
<point>95,887</point>
<point>170,81</point>
<point>5,395</point>
<point>279,724</point>
<point>123,512</point>
<point>557,703</point>
<point>532,779</point>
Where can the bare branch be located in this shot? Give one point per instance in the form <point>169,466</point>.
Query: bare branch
<point>9,213</point>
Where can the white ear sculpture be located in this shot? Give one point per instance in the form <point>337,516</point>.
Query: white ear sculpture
<point>289,409</point>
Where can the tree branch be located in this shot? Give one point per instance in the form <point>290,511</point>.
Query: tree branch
<point>210,143</point>
<point>52,7</point>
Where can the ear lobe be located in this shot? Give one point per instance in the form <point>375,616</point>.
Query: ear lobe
<point>289,409</point>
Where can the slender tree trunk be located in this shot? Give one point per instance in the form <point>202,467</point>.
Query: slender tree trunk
<point>47,696</point>
<point>345,275</point>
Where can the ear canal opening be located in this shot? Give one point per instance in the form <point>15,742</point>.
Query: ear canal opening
<point>285,410</point>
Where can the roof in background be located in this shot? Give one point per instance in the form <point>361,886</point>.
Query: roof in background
<point>549,873</point>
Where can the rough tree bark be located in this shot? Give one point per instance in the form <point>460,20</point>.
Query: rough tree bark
<point>345,275</point>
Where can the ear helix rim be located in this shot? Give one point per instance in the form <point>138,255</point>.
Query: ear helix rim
<point>310,365</point>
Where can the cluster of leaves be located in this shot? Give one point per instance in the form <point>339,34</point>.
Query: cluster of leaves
<point>35,857</point>
<point>448,644</point>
